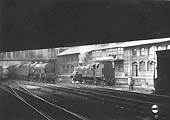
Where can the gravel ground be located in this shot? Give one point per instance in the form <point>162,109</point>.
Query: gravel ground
<point>84,106</point>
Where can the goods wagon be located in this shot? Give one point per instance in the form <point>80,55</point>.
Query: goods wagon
<point>162,82</point>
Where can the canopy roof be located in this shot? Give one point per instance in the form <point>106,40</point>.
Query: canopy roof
<point>89,48</point>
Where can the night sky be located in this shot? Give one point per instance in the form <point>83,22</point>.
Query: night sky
<point>33,24</point>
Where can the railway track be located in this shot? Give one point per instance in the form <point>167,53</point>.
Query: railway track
<point>126,102</point>
<point>20,110</point>
<point>133,102</point>
<point>47,110</point>
<point>163,101</point>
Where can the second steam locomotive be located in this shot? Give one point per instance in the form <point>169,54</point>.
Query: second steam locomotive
<point>43,72</point>
<point>102,71</point>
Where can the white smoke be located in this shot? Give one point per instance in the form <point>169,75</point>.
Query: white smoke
<point>82,55</point>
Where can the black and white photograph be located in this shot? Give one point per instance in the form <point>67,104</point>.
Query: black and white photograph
<point>85,60</point>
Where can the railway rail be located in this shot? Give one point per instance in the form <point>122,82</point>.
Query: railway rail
<point>132,101</point>
<point>46,109</point>
<point>18,109</point>
<point>163,101</point>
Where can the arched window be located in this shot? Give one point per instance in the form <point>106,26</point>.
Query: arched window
<point>150,65</point>
<point>168,47</point>
<point>142,66</point>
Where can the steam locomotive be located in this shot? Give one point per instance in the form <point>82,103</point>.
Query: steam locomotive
<point>101,72</point>
<point>43,72</point>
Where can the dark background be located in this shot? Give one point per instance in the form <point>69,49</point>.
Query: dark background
<point>33,24</point>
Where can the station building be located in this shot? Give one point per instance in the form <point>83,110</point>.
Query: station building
<point>135,59</point>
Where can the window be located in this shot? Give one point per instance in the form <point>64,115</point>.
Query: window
<point>119,65</point>
<point>27,54</point>
<point>134,52</point>
<point>1,55</point>
<point>150,65</point>
<point>76,58</point>
<point>142,52</point>
<point>114,51</point>
<point>64,68</point>
<point>97,54</point>
<point>49,53</point>
<point>159,48</point>
<point>142,66</point>
<point>163,48</point>
<point>8,54</point>
<point>168,47</point>
<point>103,53</point>
<point>72,68</point>
<point>71,59</point>
<point>67,69</point>
<point>31,54</point>
<point>39,54</point>
<point>108,52</point>
<point>152,50</point>
<point>53,52</point>
<point>18,54</point>
<point>64,59</point>
<point>120,51</point>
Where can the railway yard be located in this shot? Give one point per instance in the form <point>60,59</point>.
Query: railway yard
<point>85,60</point>
<point>38,101</point>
